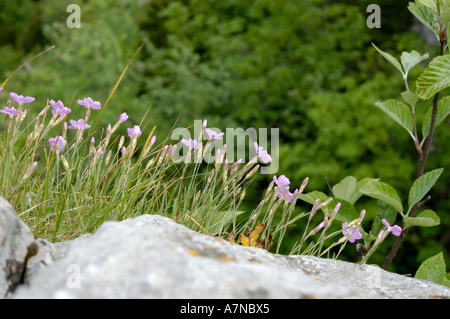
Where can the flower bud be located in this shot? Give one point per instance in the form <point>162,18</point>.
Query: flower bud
<point>318,227</point>
<point>108,156</point>
<point>253,171</point>
<point>121,141</point>
<point>210,177</point>
<point>304,183</point>
<point>325,203</point>
<point>92,146</point>
<point>65,163</point>
<point>30,170</point>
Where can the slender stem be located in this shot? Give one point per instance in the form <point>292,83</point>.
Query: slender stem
<point>416,137</point>
<point>329,187</point>
<point>423,159</point>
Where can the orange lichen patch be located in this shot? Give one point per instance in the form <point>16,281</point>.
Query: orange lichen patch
<point>318,279</point>
<point>220,240</point>
<point>227,259</point>
<point>434,295</point>
<point>254,260</point>
<point>193,252</point>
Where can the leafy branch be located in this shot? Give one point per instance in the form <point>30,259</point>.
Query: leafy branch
<point>436,77</point>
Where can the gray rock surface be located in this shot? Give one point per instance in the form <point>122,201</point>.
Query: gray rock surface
<point>15,237</point>
<point>154,257</point>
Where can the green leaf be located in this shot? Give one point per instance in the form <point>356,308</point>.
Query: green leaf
<point>432,269</point>
<point>426,218</point>
<point>429,3</point>
<point>360,184</point>
<point>446,281</point>
<point>410,97</point>
<point>435,78</point>
<point>422,185</point>
<point>426,15</point>
<point>444,17</point>
<point>399,112</point>
<point>385,211</point>
<point>390,58</point>
<point>411,59</point>
<point>383,192</point>
<point>346,213</point>
<point>443,109</point>
<point>311,197</point>
<point>345,188</point>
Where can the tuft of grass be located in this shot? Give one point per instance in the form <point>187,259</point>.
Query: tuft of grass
<point>64,183</point>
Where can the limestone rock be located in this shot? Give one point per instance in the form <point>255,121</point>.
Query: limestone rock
<point>153,257</point>
<point>15,238</point>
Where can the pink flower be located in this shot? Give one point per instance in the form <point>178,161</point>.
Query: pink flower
<point>1,89</point>
<point>75,125</point>
<point>213,135</point>
<point>21,99</point>
<point>262,154</point>
<point>57,141</point>
<point>395,230</point>
<point>123,117</point>
<point>89,103</point>
<point>11,111</point>
<point>191,143</point>
<point>283,183</point>
<point>353,231</point>
<point>152,139</point>
<point>135,131</point>
<point>59,107</point>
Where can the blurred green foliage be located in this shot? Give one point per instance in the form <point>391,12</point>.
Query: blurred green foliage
<point>304,66</point>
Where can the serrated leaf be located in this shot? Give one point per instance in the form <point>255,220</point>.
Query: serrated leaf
<point>435,78</point>
<point>399,112</point>
<point>383,192</point>
<point>443,109</point>
<point>360,184</point>
<point>426,15</point>
<point>390,58</point>
<point>432,269</point>
<point>426,218</point>
<point>444,17</point>
<point>410,97</point>
<point>345,188</point>
<point>446,281</point>
<point>429,3</point>
<point>422,185</point>
<point>411,59</point>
